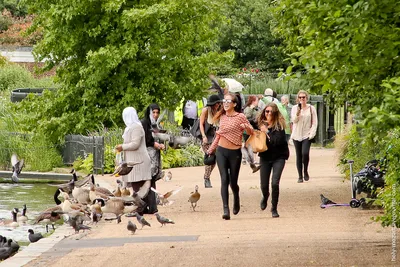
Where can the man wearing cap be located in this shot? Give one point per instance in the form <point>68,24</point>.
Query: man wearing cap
<point>268,97</point>
<point>207,129</point>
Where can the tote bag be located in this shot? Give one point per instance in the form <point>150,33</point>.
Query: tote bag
<point>257,141</point>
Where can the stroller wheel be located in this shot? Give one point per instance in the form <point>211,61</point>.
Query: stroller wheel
<point>354,203</point>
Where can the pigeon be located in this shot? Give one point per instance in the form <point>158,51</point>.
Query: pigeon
<point>326,201</point>
<point>194,197</point>
<point>141,220</point>
<point>34,237</point>
<point>163,220</point>
<point>164,197</point>
<point>76,219</point>
<point>168,177</point>
<point>124,168</point>
<point>131,227</point>
<point>17,166</point>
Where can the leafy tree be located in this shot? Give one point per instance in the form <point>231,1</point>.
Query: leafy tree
<point>350,50</point>
<point>14,6</point>
<point>249,35</point>
<point>112,54</point>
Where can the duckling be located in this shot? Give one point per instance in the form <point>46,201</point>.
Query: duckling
<point>164,197</point>
<point>33,238</point>
<point>125,192</point>
<point>194,197</point>
<point>11,223</point>
<point>23,218</point>
<point>17,166</point>
<point>117,192</point>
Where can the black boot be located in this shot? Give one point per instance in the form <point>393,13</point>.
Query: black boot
<point>236,204</point>
<point>274,212</point>
<point>306,176</point>
<point>226,215</point>
<point>263,203</point>
<point>207,183</point>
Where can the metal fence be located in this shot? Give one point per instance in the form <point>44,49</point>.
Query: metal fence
<point>80,146</point>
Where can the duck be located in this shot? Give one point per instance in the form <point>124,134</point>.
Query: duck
<point>94,194</point>
<point>13,222</point>
<point>99,189</point>
<point>116,206</point>
<point>164,197</point>
<point>124,168</point>
<point>194,197</point>
<point>17,166</point>
<point>23,218</point>
<point>33,238</point>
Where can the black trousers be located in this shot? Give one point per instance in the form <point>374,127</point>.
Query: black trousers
<point>187,123</point>
<point>302,155</point>
<point>276,167</point>
<point>228,162</point>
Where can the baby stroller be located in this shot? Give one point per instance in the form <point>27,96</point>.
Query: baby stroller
<point>367,180</point>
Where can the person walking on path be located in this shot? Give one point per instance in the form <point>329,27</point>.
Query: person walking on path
<point>274,158</point>
<point>305,123</point>
<point>228,139</point>
<point>251,113</point>
<point>207,129</point>
<point>149,123</point>
<point>134,150</point>
<point>285,102</point>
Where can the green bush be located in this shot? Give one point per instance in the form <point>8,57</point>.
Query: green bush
<point>5,22</point>
<point>187,156</point>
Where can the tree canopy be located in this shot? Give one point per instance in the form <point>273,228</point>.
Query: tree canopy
<point>111,54</point>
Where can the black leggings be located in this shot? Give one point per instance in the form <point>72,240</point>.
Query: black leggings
<point>228,162</point>
<point>302,155</point>
<point>276,167</point>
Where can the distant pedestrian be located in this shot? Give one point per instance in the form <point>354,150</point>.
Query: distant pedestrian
<point>305,123</point>
<point>285,102</point>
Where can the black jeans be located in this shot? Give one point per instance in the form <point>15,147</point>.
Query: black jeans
<point>302,155</point>
<point>276,167</point>
<point>228,162</point>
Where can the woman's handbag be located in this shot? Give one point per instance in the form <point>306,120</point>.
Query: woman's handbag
<point>257,141</point>
<point>209,159</point>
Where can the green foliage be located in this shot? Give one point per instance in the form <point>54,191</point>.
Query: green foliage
<point>116,54</point>
<point>84,165</point>
<point>109,159</point>
<point>15,76</point>
<point>188,156</point>
<point>5,22</point>
<point>15,7</point>
<point>249,35</point>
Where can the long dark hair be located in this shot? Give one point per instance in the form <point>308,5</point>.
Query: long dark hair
<point>250,100</point>
<point>278,121</point>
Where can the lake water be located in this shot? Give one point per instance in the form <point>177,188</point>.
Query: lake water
<point>37,198</point>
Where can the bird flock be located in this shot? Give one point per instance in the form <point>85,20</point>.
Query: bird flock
<point>84,203</point>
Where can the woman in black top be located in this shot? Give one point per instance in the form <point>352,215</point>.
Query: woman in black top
<point>272,160</point>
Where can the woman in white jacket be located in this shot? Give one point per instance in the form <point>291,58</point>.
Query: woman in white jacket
<point>134,150</point>
<point>305,122</point>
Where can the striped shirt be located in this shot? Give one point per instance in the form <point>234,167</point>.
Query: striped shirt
<point>230,129</point>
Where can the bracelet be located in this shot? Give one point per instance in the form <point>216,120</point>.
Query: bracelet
<point>203,136</point>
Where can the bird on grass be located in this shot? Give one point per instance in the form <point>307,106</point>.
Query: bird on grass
<point>33,238</point>
<point>164,197</point>
<point>163,220</point>
<point>141,220</point>
<point>194,197</point>
<point>17,166</point>
<point>326,201</point>
<point>131,227</point>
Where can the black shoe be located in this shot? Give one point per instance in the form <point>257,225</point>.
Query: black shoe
<point>207,183</point>
<point>275,214</point>
<point>300,180</point>
<point>306,176</point>
<point>263,203</point>
<point>236,205</point>
<point>255,168</point>
<point>226,215</point>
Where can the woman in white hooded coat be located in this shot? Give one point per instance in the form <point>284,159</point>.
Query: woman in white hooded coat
<point>134,150</point>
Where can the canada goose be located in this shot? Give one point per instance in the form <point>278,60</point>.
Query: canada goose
<point>93,194</point>
<point>68,206</point>
<point>23,218</point>
<point>164,197</point>
<point>80,194</point>
<point>194,197</point>
<point>115,206</point>
<point>17,166</point>
<point>34,237</point>
<point>13,222</point>
<point>101,190</point>
<point>50,215</point>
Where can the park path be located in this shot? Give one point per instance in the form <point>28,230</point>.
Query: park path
<point>304,235</point>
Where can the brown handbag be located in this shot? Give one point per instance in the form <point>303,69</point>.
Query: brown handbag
<point>257,141</point>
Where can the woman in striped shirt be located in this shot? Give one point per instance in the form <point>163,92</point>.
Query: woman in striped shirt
<point>228,143</point>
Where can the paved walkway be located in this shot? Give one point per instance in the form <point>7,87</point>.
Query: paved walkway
<point>304,235</point>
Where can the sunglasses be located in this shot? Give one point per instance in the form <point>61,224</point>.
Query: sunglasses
<point>302,97</point>
<point>227,101</point>
<point>268,111</point>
